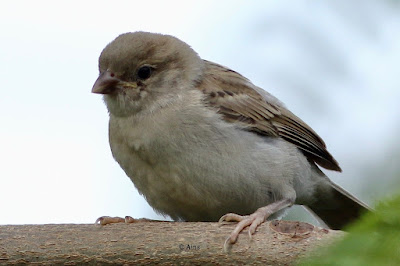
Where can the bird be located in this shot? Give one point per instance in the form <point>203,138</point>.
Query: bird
<point>201,142</point>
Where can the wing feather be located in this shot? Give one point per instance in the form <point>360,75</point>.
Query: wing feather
<point>239,101</point>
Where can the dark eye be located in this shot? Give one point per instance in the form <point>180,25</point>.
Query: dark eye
<point>144,72</point>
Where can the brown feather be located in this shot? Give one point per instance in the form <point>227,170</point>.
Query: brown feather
<point>239,101</point>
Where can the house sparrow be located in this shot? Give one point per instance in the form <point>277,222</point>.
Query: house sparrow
<point>202,143</point>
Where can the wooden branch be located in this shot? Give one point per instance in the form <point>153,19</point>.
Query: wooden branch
<point>276,242</point>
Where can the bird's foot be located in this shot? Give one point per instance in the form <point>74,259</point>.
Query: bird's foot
<point>252,220</point>
<point>103,220</point>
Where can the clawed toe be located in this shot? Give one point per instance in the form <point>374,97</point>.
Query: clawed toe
<point>245,221</point>
<point>231,217</point>
<point>253,220</point>
<point>103,220</point>
<point>129,219</point>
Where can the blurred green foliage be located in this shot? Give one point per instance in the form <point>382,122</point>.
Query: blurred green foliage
<point>374,240</point>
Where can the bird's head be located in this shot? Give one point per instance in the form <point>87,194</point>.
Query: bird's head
<point>145,70</point>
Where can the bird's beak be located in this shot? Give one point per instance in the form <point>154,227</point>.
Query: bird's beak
<point>105,83</point>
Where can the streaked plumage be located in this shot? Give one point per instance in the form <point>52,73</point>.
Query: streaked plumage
<point>241,102</point>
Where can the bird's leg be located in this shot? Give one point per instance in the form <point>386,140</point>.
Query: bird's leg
<point>103,220</point>
<point>252,220</point>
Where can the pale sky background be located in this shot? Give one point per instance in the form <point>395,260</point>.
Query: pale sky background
<point>336,64</point>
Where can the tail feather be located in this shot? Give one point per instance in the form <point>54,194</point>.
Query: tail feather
<point>339,208</point>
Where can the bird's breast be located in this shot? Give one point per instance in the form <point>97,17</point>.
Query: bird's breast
<point>196,167</point>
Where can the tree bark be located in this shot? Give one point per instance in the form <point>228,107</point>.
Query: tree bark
<point>274,243</point>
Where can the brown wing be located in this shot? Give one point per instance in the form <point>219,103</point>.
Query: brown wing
<point>239,101</point>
